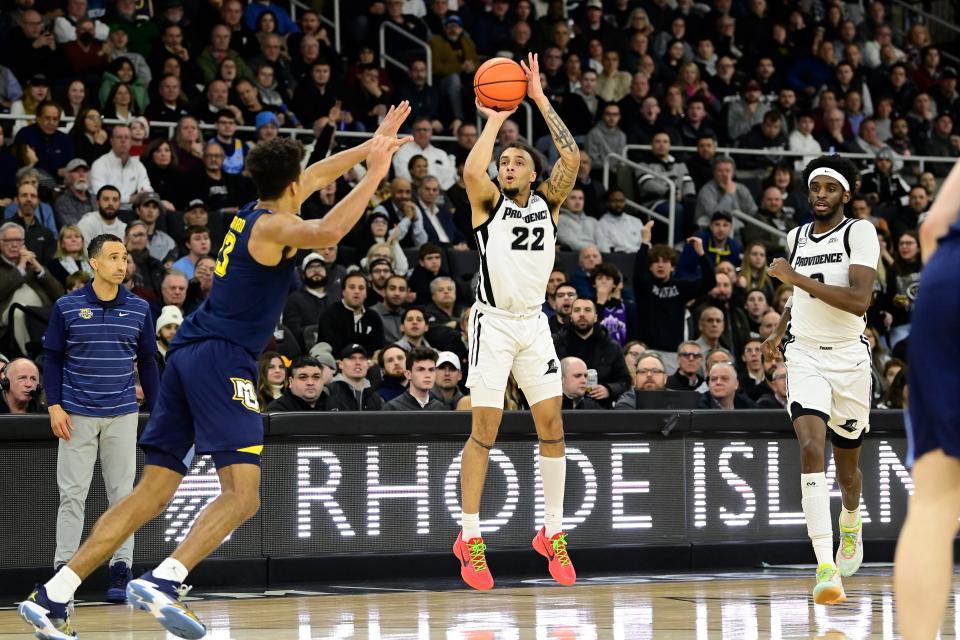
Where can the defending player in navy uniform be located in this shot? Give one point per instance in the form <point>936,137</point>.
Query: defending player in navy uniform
<point>516,229</point>
<point>924,564</point>
<point>208,398</point>
<point>832,267</point>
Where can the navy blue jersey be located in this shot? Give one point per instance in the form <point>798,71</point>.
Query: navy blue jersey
<point>934,354</point>
<point>247,297</point>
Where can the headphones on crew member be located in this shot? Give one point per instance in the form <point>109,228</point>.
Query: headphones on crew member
<point>5,383</point>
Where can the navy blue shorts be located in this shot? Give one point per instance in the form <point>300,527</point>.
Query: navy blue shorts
<point>207,405</point>
<point>933,414</point>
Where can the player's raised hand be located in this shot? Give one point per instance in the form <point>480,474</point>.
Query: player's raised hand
<point>781,270</point>
<point>492,114</point>
<point>381,153</point>
<point>395,117</point>
<point>532,69</point>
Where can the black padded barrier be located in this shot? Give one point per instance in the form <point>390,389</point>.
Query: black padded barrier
<point>340,484</point>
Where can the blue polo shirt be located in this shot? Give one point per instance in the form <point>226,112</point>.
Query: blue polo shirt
<point>53,151</point>
<point>91,346</point>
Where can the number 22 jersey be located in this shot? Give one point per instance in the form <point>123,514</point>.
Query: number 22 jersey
<point>517,247</point>
<point>247,297</point>
<point>827,257</point>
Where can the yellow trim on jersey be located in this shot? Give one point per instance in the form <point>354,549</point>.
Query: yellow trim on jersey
<point>256,449</point>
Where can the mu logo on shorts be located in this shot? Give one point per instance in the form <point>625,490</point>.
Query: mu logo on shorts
<point>551,367</point>
<point>246,393</point>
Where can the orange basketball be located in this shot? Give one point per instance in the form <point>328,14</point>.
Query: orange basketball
<point>500,84</point>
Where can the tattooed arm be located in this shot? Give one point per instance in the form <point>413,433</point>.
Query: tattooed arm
<point>564,174</point>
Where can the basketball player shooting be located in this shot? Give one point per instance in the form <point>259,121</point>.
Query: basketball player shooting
<point>924,564</point>
<point>832,268</point>
<point>516,229</point>
<point>208,397</point>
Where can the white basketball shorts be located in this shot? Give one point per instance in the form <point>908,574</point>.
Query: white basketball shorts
<point>833,382</point>
<point>502,343</point>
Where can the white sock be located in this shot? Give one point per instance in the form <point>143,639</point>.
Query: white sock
<point>816,510</point>
<point>171,569</point>
<point>63,585</point>
<point>471,526</point>
<point>848,518</point>
<point>553,472</point>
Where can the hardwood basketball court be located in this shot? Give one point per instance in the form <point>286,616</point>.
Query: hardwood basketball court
<point>773,603</point>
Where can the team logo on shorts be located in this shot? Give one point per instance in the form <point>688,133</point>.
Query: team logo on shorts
<point>849,425</point>
<point>86,314</point>
<point>551,367</point>
<point>246,393</point>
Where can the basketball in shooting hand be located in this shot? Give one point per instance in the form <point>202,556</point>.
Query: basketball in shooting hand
<point>500,84</point>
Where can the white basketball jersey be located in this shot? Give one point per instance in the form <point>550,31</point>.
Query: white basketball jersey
<point>517,249</point>
<point>827,258</point>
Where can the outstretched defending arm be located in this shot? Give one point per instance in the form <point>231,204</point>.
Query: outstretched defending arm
<point>564,174</point>
<point>288,230</point>
<point>320,174</point>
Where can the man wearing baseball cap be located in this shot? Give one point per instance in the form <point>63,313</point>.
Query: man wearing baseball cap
<point>76,199</point>
<point>305,305</point>
<point>454,53</point>
<point>350,390</point>
<point>446,389</point>
<point>147,206</point>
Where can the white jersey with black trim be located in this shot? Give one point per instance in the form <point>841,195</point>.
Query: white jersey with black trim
<point>517,247</point>
<point>827,257</point>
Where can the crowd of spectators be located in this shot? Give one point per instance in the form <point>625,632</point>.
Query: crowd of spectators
<point>124,119</point>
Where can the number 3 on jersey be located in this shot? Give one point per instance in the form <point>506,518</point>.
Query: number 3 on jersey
<point>223,258</point>
<point>520,239</point>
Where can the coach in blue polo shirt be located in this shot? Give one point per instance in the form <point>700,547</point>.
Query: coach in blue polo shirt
<point>94,337</point>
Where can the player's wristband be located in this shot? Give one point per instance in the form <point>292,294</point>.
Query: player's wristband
<point>788,304</point>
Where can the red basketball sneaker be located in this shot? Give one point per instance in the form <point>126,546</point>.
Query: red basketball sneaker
<point>555,550</point>
<point>473,562</point>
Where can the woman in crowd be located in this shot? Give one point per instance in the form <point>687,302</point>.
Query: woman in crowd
<point>631,355</point>
<point>161,164</point>
<point>120,104</point>
<point>75,99</point>
<point>90,139</point>
<point>753,272</point>
<point>903,281</point>
<point>71,255</point>
<point>38,90</point>
<point>272,379</point>
<point>122,70</point>
<point>188,145</point>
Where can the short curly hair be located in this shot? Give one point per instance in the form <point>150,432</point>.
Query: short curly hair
<point>841,165</point>
<point>274,165</point>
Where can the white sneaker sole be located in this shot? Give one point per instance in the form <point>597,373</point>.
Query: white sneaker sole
<point>36,616</point>
<point>146,596</point>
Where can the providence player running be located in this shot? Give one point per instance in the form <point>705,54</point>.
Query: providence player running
<point>516,230</point>
<point>832,268</point>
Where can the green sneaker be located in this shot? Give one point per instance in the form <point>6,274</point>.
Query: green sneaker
<point>829,590</point>
<point>850,552</point>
